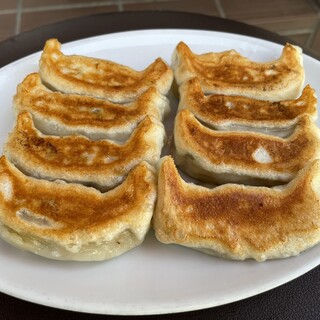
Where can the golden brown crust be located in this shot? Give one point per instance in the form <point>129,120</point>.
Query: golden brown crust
<point>230,73</point>
<point>239,221</point>
<point>73,216</point>
<point>103,164</point>
<point>100,78</point>
<point>245,155</point>
<point>229,112</point>
<point>77,114</point>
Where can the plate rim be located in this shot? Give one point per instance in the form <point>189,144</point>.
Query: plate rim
<point>207,304</point>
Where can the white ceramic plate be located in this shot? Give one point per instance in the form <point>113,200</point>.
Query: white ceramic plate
<point>153,278</point>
